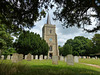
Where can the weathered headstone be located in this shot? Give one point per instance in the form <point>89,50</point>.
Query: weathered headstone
<point>55,60</point>
<point>70,59</point>
<point>61,58</point>
<point>8,57</point>
<point>15,57</point>
<point>20,57</point>
<point>2,57</point>
<point>29,58</point>
<point>36,57</point>
<point>76,59</point>
<point>41,57</point>
<point>96,57</point>
<point>32,57</point>
<point>65,58</point>
<point>45,57</point>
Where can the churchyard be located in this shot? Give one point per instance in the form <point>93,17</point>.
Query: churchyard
<point>18,64</point>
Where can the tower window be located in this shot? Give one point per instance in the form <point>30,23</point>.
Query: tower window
<point>50,48</point>
<point>50,31</point>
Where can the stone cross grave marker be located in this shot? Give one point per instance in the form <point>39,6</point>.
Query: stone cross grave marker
<point>70,59</point>
<point>55,60</point>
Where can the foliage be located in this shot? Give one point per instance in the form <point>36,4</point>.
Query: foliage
<point>45,67</point>
<point>18,14</point>
<point>9,51</point>
<point>5,39</point>
<point>78,13</point>
<point>67,49</point>
<point>78,46</point>
<point>29,42</point>
<point>96,43</point>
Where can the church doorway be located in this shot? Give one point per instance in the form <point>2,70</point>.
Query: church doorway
<point>50,55</point>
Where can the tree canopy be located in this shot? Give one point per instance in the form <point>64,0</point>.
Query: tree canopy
<point>23,13</point>
<point>77,46</point>
<point>78,13</point>
<point>29,42</point>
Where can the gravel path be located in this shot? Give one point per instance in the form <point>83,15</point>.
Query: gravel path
<point>97,66</point>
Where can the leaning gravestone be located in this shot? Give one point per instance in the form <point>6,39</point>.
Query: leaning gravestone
<point>41,57</point>
<point>20,57</point>
<point>70,59</point>
<point>29,58</point>
<point>61,58</point>
<point>36,57</point>
<point>55,60</point>
<point>76,59</point>
<point>8,57</point>
<point>15,57</point>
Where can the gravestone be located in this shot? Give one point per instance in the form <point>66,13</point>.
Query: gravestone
<point>65,59</point>
<point>96,57</point>
<point>20,57</point>
<point>76,59</point>
<point>29,58</point>
<point>32,57</point>
<point>8,57</point>
<point>15,57</point>
<point>25,57</point>
<point>2,57</point>
<point>61,58</point>
<point>84,57</point>
<point>70,59</point>
<point>41,57</point>
<point>36,57</point>
<point>45,57</point>
<point>55,60</point>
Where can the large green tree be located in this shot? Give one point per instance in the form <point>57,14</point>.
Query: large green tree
<point>80,45</point>
<point>78,13</point>
<point>96,43</point>
<point>29,42</point>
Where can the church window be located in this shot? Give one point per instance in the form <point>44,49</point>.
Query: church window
<point>50,31</point>
<point>50,48</point>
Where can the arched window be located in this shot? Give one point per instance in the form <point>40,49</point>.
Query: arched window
<point>50,31</point>
<point>50,48</point>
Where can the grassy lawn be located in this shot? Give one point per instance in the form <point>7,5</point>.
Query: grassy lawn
<point>45,67</point>
<point>90,61</point>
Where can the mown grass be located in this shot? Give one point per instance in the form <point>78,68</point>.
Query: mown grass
<point>45,67</point>
<point>90,61</point>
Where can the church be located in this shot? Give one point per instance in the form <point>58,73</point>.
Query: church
<point>50,36</point>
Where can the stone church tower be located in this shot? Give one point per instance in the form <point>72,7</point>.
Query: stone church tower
<point>49,34</point>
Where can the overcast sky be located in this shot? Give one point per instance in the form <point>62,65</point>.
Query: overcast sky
<point>63,34</point>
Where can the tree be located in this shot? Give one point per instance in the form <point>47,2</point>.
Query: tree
<point>17,14</point>
<point>67,49</point>
<point>78,13</point>
<point>80,45</point>
<point>29,42</point>
<point>96,43</point>
<point>5,39</point>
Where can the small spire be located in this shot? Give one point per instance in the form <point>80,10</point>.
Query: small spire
<point>48,19</point>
